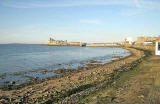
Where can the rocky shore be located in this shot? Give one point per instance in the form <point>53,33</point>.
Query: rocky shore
<point>71,87</point>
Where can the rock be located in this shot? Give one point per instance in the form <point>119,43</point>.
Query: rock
<point>113,98</point>
<point>141,96</point>
<point>116,56</point>
<point>17,101</point>
<point>12,82</point>
<point>93,61</point>
<point>44,72</point>
<point>3,101</point>
<point>36,78</point>
<point>6,82</point>
<point>120,70</point>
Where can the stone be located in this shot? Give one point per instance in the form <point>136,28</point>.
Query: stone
<point>12,82</point>
<point>44,72</point>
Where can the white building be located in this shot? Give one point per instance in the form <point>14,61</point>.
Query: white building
<point>128,40</point>
<point>57,42</point>
<point>157,49</point>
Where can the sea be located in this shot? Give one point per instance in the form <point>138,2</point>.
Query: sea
<point>20,62</point>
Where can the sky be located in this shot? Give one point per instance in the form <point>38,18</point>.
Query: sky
<point>34,21</point>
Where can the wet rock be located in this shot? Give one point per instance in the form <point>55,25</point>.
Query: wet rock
<point>3,101</point>
<point>12,82</point>
<point>36,78</point>
<point>59,71</point>
<point>64,72</point>
<point>116,56</point>
<point>6,82</point>
<point>1,78</point>
<point>120,70</point>
<point>92,61</point>
<point>44,72</point>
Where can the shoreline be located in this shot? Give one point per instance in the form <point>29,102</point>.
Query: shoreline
<point>58,73</point>
<point>69,85</point>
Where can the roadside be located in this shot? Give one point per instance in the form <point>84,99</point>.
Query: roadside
<point>138,86</point>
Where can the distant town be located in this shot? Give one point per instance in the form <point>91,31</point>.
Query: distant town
<point>126,41</point>
<point>53,42</point>
<point>142,40</point>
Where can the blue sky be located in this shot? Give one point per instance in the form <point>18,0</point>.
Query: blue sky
<point>34,21</point>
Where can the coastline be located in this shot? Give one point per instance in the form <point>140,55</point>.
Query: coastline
<point>60,89</point>
<point>59,70</point>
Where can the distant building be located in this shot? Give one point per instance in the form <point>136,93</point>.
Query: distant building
<point>148,43</point>
<point>147,40</point>
<point>57,42</point>
<point>53,42</point>
<point>127,40</point>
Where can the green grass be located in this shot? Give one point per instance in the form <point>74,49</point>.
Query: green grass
<point>110,90</point>
<point>108,93</point>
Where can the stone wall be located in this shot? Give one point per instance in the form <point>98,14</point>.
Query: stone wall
<point>101,45</point>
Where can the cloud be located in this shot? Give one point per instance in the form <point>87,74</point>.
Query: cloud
<point>137,3</point>
<point>133,12</point>
<point>141,7</point>
<point>70,3</point>
<point>90,21</point>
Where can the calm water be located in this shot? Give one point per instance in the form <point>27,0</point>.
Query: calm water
<point>19,62</point>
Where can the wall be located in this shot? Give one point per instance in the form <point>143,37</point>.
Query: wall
<point>157,49</point>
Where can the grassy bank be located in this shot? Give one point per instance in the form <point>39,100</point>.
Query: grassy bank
<point>141,85</point>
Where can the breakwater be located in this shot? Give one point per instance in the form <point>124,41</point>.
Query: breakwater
<point>103,45</point>
<point>69,44</point>
<point>74,86</point>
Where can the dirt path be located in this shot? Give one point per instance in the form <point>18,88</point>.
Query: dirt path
<point>138,86</point>
<point>144,87</point>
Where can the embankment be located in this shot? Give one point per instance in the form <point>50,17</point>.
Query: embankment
<point>136,86</point>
